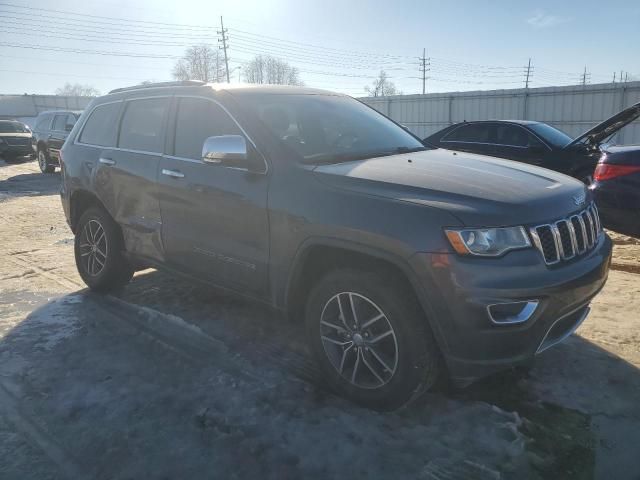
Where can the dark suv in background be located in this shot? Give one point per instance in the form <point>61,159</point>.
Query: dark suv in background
<point>16,140</point>
<point>50,131</point>
<point>405,262</point>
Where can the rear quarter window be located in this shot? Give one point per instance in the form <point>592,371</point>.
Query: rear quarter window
<point>100,127</point>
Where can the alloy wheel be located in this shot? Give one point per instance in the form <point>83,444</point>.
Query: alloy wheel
<point>359,340</point>
<point>93,247</point>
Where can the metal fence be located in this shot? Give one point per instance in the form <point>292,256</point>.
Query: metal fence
<point>572,109</point>
<point>26,107</point>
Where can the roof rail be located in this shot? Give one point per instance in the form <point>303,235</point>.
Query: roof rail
<point>181,83</point>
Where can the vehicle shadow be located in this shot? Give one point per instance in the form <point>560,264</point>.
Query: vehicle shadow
<point>30,184</point>
<point>167,379</point>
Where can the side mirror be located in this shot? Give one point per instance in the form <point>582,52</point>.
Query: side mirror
<point>228,150</point>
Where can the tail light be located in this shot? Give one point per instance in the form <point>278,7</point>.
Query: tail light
<point>607,171</point>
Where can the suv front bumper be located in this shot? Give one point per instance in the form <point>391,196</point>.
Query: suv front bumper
<point>458,290</point>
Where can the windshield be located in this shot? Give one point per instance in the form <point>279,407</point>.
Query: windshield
<point>551,135</point>
<point>328,128</point>
<point>12,127</point>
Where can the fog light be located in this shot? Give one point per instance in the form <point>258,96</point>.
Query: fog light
<point>512,312</point>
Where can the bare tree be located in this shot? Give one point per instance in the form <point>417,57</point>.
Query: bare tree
<point>271,70</point>
<point>77,90</point>
<point>382,86</point>
<point>200,62</point>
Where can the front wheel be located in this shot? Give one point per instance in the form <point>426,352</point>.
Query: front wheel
<point>44,162</point>
<point>99,252</point>
<point>371,339</point>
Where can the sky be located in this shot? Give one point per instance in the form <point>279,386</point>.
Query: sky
<point>336,45</point>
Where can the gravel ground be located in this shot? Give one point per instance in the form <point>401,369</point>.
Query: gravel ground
<point>171,380</point>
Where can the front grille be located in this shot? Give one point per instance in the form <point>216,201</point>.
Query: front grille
<point>18,142</point>
<point>568,237</point>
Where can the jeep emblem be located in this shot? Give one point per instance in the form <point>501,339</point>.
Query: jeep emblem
<point>579,199</point>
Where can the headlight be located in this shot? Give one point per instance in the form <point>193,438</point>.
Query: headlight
<point>488,242</point>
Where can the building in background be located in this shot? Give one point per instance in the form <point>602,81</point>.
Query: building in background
<point>25,108</point>
<point>574,109</point>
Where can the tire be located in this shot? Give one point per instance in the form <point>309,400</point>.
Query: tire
<point>44,162</point>
<point>406,361</point>
<point>103,267</point>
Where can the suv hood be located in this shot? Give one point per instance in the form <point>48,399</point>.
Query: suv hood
<point>604,130</point>
<point>478,190</point>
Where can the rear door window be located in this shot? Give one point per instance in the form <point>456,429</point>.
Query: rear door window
<point>471,133</point>
<point>100,127</point>
<point>43,122</point>
<point>142,126</point>
<point>511,136</point>
<point>196,120</point>
<point>59,122</point>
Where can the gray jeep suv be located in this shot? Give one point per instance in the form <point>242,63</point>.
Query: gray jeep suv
<point>404,261</point>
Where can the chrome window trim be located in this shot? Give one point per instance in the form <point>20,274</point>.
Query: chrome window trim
<point>201,162</point>
<point>244,132</point>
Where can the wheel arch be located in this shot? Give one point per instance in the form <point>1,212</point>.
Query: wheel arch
<point>320,255</point>
<point>80,201</point>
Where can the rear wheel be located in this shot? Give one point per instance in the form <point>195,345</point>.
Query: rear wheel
<point>370,339</point>
<point>99,252</point>
<point>44,161</point>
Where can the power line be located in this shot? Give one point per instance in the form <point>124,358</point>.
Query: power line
<point>83,51</point>
<point>28,22</point>
<point>118,19</point>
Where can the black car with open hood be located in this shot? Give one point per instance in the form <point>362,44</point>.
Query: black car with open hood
<point>536,143</point>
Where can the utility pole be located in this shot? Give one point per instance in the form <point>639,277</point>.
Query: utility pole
<point>424,63</point>
<point>585,76</point>
<point>626,77</point>
<point>528,75</point>
<point>614,77</point>
<point>223,40</point>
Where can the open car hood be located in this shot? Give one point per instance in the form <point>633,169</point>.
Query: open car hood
<point>604,130</point>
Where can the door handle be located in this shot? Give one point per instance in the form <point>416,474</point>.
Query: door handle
<point>172,173</point>
<point>106,161</point>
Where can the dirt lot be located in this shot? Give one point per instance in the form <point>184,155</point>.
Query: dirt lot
<point>170,380</point>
